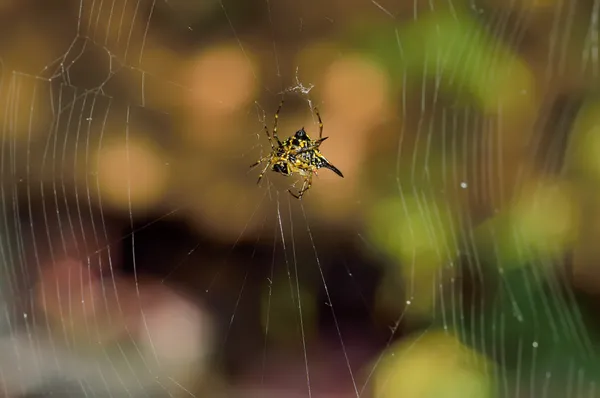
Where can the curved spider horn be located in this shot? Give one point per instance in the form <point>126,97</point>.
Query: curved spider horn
<point>321,140</point>
<point>331,167</point>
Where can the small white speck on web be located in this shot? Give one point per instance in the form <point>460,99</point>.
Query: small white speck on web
<point>463,185</point>
<point>300,87</point>
<point>25,315</point>
<point>535,344</point>
<point>407,302</point>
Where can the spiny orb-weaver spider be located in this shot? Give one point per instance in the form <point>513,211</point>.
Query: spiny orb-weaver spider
<point>298,154</point>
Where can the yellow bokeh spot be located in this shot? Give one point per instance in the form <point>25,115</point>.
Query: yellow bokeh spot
<point>593,149</point>
<point>131,175</point>
<point>411,229</point>
<point>546,217</point>
<point>433,364</point>
<point>357,88</point>
<point>415,233</point>
<point>583,145</point>
<point>509,89</point>
<point>222,79</point>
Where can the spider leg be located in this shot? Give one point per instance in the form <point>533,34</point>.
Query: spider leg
<point>259,161</point>
<point>275,123</point>
<point>262,173</point>
<point>320,123</point>
<point>269,137</point>
<point>305,187</point>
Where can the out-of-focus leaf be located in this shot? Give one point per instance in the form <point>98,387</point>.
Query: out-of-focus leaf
<point>452,48</point>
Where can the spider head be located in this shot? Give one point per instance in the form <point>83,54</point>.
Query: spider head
<point>281,168</point>
<point>301,134</point>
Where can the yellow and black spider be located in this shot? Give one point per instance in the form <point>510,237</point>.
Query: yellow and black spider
<point>298,154</point>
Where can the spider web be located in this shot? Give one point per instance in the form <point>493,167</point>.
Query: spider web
<point>456,257</point>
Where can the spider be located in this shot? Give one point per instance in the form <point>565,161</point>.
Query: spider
<point>298,154</point>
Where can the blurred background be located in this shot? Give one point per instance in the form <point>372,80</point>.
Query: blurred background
<point>456,258</point>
